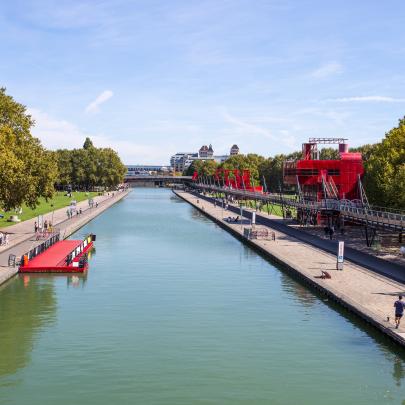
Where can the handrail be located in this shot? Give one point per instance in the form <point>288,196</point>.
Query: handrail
<point>69,257</point>
<point>35,251</point>
<point>362,214</point>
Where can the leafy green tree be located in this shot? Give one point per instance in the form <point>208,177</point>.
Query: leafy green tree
<point>329,154</point>
<point>110,170</point>
<point>202,167</point>
<point>64,161</point>
<point>365,150</point>
<point>384,178</point>
<point>88,144</point>
<point>28,171</point>
<point>272,170</point>
<point>194,167</point>
<point>250,162</point>
<point>89,167</point>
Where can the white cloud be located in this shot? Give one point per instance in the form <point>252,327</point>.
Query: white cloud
<point>93,107</point>
<point>381,99</point>
<point>60,134</point>
<point>245,127</point>
<point>329,69</point>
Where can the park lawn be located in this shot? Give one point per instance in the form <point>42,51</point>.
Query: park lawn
<point>273,209</point>
<point>59,200</point>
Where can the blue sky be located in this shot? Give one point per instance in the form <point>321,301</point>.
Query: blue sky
<point>151,78</point>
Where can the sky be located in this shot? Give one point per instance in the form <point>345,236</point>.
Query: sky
<point>151,78</point>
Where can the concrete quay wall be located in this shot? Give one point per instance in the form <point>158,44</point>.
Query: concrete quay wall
<point>356,288</point>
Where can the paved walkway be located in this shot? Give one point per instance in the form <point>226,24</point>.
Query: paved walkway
<point>392,270</point>
<point>368,294</point>
<point>22,237</point>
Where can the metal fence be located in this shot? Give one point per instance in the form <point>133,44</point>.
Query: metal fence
<point>46,244</point>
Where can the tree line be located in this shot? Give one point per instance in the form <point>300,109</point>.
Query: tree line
<point>384,165</point>
<point>88,167</point>
<point>29,171</point>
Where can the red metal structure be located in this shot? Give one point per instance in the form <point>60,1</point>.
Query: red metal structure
<point>56,256</point>
<point>234,179</point>
<point>325,179</point>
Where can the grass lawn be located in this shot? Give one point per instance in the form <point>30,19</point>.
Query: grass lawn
<point>59,200</point>
<point>273,209</point>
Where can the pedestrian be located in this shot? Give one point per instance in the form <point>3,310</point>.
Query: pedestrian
<point>399,310</point>
<point>46,225</point>
<point>35,227</point>
<point>96,204</point>
<point>80,211</point>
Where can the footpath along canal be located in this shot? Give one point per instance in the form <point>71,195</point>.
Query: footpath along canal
<point>175,310</point>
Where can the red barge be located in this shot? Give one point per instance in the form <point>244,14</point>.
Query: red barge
<point>58,256</point>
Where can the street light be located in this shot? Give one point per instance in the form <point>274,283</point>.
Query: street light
<point>53,211</point>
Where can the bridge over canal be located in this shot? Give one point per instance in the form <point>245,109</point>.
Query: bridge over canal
<point>155,180</point>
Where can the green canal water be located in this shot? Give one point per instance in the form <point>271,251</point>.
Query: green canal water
<point>174,310</point>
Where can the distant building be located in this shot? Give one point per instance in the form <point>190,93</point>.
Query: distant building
<point>182,161</point>
<point>206,151</point>
<point>234,150</point>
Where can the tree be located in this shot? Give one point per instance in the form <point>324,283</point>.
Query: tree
<point>89,167</point>
<point>250,162</point>
<point>28,171</point>
<point>202,167</point>
<point>365,150</point>
<point>64,161</point>
<point>88,144</point>
<point>110,169</point>
<point>384,178</point>
<point>329,154</point>
<point>195,166</point>
<point>272,170</point>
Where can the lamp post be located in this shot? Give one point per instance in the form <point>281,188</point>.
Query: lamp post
<point>53,211</point>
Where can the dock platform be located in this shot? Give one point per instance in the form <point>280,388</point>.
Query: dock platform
<point>64,256</point>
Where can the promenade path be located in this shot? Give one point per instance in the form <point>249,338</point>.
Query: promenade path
<point>364,292</point>
<point>22,237</point>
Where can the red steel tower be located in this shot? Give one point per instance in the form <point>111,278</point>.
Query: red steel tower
<point>325,179</point>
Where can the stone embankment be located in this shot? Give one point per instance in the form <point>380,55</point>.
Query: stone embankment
<point>362,291</point>
<point>22,237</point>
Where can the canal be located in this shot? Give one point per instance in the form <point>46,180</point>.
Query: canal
<point>174,310</point>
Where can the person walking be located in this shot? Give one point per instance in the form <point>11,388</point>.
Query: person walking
<point>399,310</point>
<point>35,227</point>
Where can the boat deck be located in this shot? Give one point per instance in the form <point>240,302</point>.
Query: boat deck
<point>54,258</point>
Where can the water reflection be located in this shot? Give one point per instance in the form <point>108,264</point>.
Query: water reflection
<point>27,304</point>
<point>77,281</point>
<point>298,291</point>
<point>199,216</point>
<point>399,371</point>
